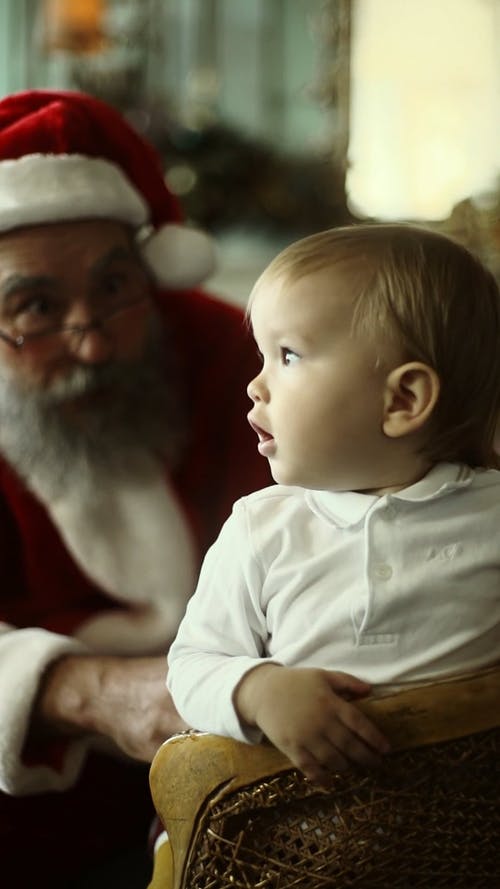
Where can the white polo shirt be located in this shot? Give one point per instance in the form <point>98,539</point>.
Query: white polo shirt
<point>393,589</point>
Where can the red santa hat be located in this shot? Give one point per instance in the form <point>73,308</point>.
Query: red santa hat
<point>66,156</point>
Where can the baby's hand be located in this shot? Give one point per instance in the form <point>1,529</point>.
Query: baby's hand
<point>306,713</point>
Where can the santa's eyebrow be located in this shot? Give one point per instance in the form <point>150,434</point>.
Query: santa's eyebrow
<point>16,284</point>
<point>120,252</point>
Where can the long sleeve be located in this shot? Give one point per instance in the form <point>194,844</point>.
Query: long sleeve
<point>24,655</point>
<point>377,587</point>
<point>222,635</point>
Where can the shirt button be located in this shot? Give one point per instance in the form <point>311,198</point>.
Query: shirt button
<point>452,550</point>
<point>383,571</point>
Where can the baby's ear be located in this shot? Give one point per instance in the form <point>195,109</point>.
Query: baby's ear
<point>411,393</point>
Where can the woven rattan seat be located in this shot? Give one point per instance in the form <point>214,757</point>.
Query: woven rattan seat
<point>239,816</point>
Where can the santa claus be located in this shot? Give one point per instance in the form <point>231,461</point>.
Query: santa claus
<point>123,443</point>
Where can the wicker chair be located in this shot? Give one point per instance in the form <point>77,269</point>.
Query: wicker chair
<point>240,816</point>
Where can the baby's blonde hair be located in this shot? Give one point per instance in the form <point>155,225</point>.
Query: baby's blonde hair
<point>440,304</point>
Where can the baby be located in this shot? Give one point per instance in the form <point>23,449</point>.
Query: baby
<point>376,558</point>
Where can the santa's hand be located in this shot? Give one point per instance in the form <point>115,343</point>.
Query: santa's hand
<point>307,714</point>
<point>122,699</point>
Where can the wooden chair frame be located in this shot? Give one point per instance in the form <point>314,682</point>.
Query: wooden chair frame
<point>194,771</point>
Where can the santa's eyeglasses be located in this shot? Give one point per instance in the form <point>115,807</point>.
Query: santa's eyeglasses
<point>55,337</point>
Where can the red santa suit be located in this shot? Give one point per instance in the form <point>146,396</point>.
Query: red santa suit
<point>52,603</point>
<point>112,574</point>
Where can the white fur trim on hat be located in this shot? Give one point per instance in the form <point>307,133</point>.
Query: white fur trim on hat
<point>49,188</point>
<point>179,256</point>
<point>40,188</point>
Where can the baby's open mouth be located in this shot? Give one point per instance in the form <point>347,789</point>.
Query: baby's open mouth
<point>262,434</point>
<point>266,444</point>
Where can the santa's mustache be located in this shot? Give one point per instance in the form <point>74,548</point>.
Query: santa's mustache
<point>138,409</point>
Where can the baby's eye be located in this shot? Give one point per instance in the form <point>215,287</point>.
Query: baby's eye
<point>288,356</point>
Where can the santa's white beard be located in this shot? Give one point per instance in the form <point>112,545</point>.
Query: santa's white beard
<point>98,421</point>
<point>92,447</point>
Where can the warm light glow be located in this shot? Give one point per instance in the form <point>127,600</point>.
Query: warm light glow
<point>425,106</point>
<point>74,25</point>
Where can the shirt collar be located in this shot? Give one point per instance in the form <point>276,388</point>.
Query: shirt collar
<point>349,507</point>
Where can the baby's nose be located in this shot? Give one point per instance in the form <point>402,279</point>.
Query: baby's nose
<point>252,390</point>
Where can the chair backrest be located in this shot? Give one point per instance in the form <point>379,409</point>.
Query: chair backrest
<point>239,816</point>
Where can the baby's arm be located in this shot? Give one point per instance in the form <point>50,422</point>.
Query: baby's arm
<point>221,637</point>
<point>222,682</point>
<point>306,713</point>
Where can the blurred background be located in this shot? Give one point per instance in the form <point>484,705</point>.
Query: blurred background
<point>277,118</point>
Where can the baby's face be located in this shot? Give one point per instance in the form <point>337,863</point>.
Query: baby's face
<point>319,398</point>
